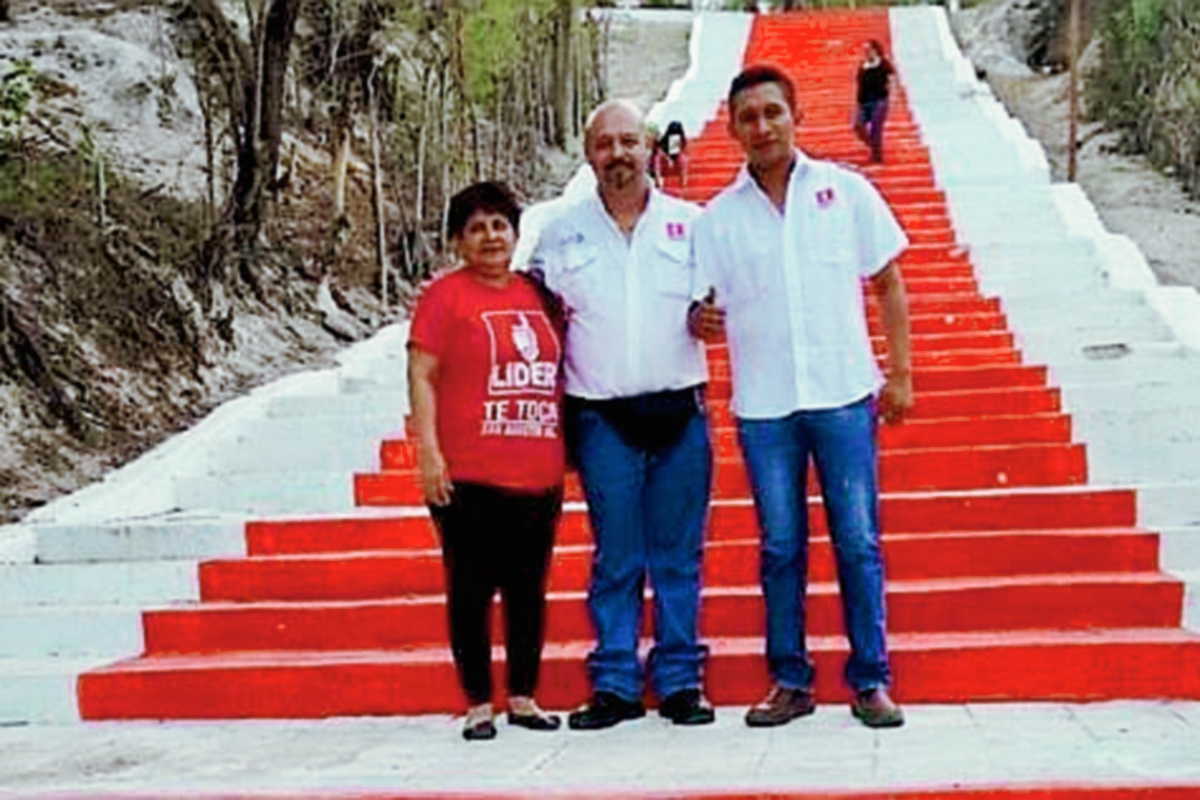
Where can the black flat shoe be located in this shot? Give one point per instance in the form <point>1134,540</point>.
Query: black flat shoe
<point>535,722</point>
<point>687,707</point>
<point>605,710</point>
<point>481,731</point>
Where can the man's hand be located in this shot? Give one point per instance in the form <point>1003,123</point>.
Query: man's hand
<point>706,321</point>
<point>435,478</point>
<point>896,398</point>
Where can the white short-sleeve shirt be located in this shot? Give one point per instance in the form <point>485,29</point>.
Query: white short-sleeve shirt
<point>791,284</point>
<point>626,298</point>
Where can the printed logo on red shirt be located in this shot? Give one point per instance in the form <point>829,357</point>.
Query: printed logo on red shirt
<point>524,369</point>
<point>825,197</point>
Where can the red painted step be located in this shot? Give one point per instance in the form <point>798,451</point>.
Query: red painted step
<point>1043,428</point>
<point>941,468</point>
<point>1022,602</point>
<point>401,573</point>
<point>1091,665</point>
<point>915,513</point>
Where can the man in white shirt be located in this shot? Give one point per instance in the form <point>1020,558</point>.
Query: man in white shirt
<point>784,249</point>
<point>620,261</point>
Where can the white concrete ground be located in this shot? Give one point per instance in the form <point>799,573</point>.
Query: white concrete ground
<point>1123,744</point>
<point>1125,351</point>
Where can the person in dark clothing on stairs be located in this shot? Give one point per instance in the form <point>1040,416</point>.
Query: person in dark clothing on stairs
<point>874,76</point>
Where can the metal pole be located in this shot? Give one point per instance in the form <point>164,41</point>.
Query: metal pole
<point>1073,62</point>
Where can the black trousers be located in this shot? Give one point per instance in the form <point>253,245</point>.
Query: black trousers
<point>493,539</point>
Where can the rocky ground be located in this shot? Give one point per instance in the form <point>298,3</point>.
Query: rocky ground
<point>645,57</point>
<point>1131,196</point>
<point>104,350</point>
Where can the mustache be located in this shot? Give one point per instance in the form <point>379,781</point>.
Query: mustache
<point>621,162</point>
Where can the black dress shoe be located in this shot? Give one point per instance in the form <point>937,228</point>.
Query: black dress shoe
<point>481,731</point>
<point>687,707</point>
<point>535,722</point>
<point>605,710</point>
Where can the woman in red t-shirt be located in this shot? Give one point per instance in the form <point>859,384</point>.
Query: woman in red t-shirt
<point>484,359</point>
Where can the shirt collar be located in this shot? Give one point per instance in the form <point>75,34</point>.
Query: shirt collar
<point>653,203</point>
<point>745,179</point>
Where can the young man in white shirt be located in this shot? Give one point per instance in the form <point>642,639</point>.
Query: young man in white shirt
<point>621,263</point>
<point>784,249</point>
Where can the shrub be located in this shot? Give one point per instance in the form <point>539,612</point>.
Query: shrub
<point>1147,83</point>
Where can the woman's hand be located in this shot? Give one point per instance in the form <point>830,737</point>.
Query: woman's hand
<point>435,478</point>
<point>422,388</point>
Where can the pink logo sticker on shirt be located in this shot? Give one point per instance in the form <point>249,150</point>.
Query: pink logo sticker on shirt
<point>825,197</point>
<point>676,231</point>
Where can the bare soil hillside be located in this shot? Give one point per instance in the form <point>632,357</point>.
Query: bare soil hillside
<point>112,334</point>
<point>103,352</point>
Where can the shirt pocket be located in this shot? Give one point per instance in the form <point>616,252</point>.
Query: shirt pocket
<point>747,280</point>
<point>673,269</point>
<point>580,267</point>
<point>836,245</point>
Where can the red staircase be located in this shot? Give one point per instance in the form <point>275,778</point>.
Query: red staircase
<point>1009,579</point>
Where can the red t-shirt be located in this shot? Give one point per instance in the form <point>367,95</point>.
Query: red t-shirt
<point>498,390</point>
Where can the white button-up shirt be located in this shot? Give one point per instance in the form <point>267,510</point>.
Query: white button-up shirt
<point>626,298</point>
<point>791,284</point>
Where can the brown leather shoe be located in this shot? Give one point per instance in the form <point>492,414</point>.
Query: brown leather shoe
<point>876,709</point>
<point>781,705</point>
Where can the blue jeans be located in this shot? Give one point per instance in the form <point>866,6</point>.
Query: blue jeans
<point>841,442</point>
<point>648,510</point>
<point>871,117</point>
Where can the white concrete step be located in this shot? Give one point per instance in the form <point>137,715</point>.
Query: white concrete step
<point>1120,462</point>
<point>388,403</point>
<point>110,631</point>
<point>1180,548</point>
<point>1079,342</point>
<point>171,538</point>
<point>134,583</point>
<point>1164,505</point>
<point>1130,370</point>
<point>1011,224</point>
<point>258,493</point>
<point>1161,393</point>
<point>42,690</point>
<point>1191,598</point>
<point>345,443</point>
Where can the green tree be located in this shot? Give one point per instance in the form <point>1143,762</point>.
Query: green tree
<point>1147,83</point>
<point>249,76</point>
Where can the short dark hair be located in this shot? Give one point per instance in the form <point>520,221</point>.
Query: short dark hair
<point>757,74</point>
<point>488,197</point>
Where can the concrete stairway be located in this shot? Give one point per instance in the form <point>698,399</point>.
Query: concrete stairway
<point>1010,576</point>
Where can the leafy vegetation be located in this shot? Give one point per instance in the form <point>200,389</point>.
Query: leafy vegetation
<point>1147,83</point>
